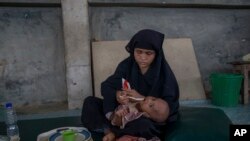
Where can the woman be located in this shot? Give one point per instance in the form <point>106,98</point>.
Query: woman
<point>149,75</point>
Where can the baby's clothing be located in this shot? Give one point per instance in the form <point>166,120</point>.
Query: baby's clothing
<point>133,114</point>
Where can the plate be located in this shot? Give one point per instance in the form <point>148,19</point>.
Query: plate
<point>82,135</point>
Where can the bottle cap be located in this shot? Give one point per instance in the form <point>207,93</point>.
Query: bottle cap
<point>8,105</point>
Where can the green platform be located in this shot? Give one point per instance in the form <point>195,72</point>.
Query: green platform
<point>194,124</point>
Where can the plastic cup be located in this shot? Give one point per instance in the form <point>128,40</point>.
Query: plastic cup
<point>69,135</point>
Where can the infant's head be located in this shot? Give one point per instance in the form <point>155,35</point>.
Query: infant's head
<point>155,108</point>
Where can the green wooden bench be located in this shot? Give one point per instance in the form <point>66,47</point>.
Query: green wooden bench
<point>194,124</point>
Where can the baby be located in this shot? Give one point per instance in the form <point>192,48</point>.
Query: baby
<point>151,107</point>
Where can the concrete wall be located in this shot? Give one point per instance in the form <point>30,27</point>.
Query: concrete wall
<point>33,51</point>
<point>38,67</point>
<point>45,47</point>
<point>220,34</point>
<point>176,2</point>
<point>76,37</point>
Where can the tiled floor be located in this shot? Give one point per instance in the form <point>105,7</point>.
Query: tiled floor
<point>239,114</point>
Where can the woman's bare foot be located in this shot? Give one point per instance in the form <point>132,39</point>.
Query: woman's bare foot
<point>110,136</point>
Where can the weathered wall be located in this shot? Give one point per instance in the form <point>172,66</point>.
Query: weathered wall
<point>40,69</point>
<point>77,50</point>
<point>33,51</point>
<point>219,34</point>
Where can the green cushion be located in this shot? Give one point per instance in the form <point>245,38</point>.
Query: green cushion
<point>203,124</point>
<point>199,124</point>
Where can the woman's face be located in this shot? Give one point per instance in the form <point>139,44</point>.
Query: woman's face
<point>144,58</point>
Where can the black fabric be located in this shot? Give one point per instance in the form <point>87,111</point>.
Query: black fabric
<point>159,80</point>
<point>94,119</point>
<point>141,127</point>
<point>92,116</point>
<point>147,39</point>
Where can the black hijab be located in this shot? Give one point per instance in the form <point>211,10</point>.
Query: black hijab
<point>158,81</point>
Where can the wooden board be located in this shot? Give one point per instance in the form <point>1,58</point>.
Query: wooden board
<point>178,52</point>
<point>181,57</point>
<point>106,55</point>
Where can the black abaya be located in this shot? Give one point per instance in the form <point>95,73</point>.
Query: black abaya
<point>159,81</point>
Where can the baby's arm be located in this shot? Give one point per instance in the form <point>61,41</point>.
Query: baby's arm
<point>120,112</point>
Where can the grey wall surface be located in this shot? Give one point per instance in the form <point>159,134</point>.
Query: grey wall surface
<point>31,43</point>
<point>206,2</point>
<point>218,35</point>
<point>33,52</point>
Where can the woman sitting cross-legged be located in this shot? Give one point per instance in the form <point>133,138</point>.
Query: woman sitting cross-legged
<point>149,75</point>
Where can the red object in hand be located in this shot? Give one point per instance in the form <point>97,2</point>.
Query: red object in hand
<point>125,84</point>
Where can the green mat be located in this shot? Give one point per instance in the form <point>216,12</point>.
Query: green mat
<point>200,124</point>
<point>194,124</point>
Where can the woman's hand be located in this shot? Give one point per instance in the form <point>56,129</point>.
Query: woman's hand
<point>133,93</point>
<point>121,97</point>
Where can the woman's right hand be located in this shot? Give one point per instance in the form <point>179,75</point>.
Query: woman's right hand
<point>121,97</point>
<point>133,93</point>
